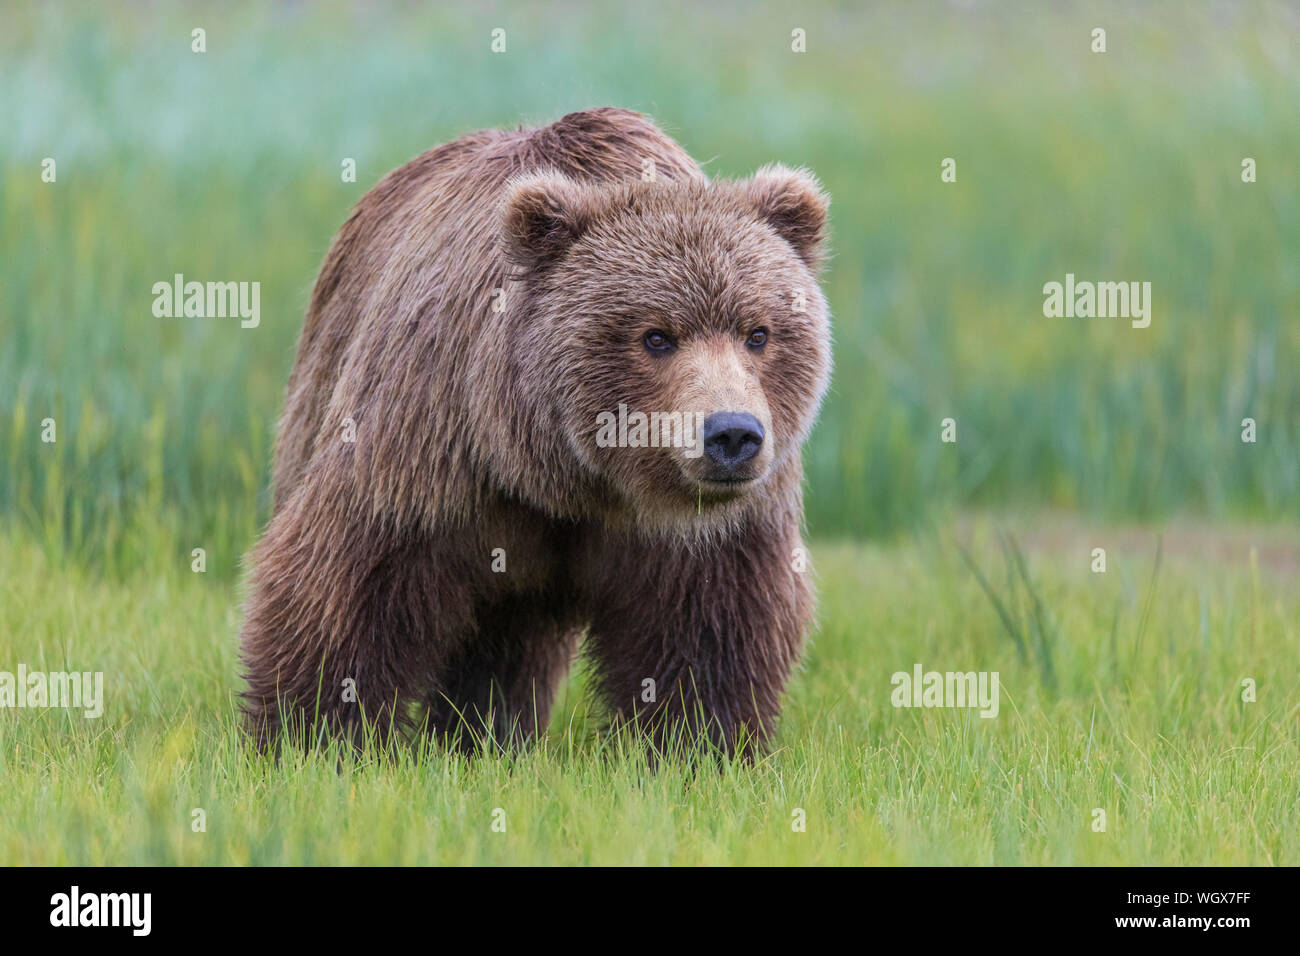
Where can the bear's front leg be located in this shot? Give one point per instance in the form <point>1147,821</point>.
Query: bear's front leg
<point>695,642</point>
<point>346,621</point>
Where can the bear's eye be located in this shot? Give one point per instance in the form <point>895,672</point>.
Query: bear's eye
<point>657,341</point>
<point>757,339</point>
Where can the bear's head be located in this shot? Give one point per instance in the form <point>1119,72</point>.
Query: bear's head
<point>678,329</point>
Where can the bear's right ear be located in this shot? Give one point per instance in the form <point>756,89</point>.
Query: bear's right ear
<point>544,213</point>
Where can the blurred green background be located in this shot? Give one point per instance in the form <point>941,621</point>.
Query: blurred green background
<point>1117,166</point>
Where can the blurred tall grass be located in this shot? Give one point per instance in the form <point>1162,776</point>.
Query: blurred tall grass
<point>1116,166</point>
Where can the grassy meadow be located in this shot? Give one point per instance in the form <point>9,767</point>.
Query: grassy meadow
<point>1121,691</point>
<point>1142,717</point>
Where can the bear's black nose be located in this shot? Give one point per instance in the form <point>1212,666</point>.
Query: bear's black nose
<point>732,438</point>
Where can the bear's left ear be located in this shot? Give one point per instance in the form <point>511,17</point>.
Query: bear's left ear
<point>792,202</point>
<point>544,213</point>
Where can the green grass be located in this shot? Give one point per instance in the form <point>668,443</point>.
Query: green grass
<point>1143,720</point>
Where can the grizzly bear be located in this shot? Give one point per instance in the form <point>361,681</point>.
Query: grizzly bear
<point>448,522</point>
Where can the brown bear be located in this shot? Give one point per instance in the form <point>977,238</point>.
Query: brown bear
<point>454,507</point>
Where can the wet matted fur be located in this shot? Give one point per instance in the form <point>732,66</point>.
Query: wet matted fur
<point>446,525</point>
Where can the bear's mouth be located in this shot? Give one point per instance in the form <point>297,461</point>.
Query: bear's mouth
<point>724,488</point>
<point>737,481</point>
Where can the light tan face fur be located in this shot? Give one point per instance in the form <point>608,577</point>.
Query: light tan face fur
<point>716,374</point>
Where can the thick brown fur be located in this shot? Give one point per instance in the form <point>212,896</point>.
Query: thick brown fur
<point>478,311</point>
